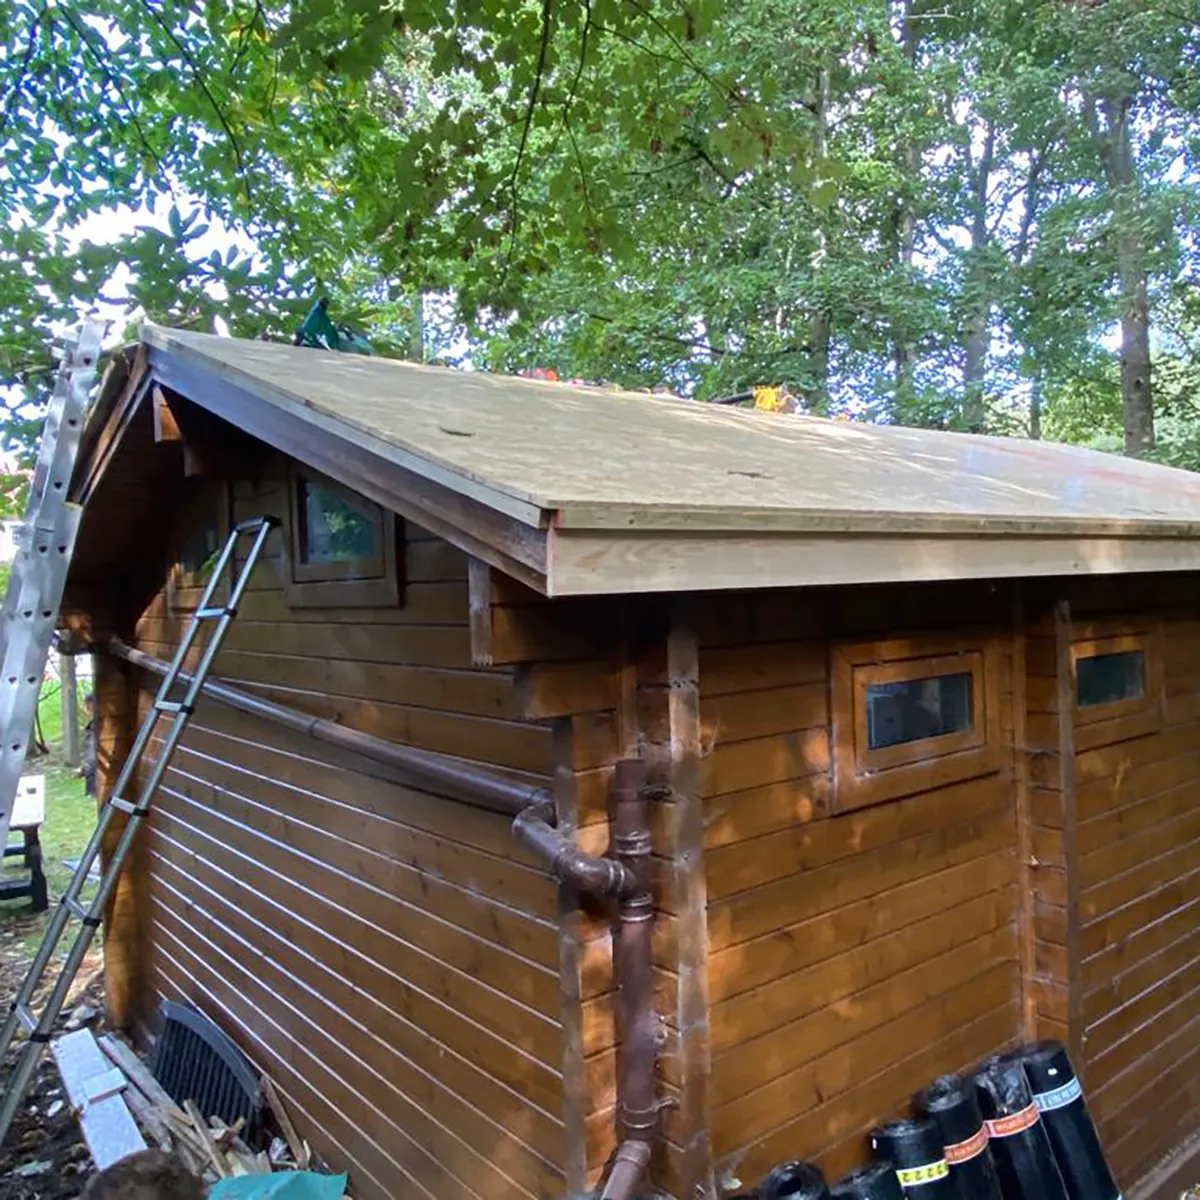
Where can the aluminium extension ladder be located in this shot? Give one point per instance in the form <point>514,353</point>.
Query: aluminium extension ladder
<point>21,1015</point>
<point>45,542</point>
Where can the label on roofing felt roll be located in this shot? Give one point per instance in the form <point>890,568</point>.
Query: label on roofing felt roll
<point>915,1176</point>
<point>1060,1097</point>
<point>962,1152</point>
<point>1004,1127</point>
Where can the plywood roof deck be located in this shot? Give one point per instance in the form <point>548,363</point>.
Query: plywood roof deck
<point>632,492</point>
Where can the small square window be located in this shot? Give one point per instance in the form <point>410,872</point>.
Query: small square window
<point>206,526</point>
<point>913,714</point>
<point>1110,678</point>
<point>910,710</point>
<point>1117,669</point>
<point>200,553</point>
<point>335,529</point>
<point>341,548</point>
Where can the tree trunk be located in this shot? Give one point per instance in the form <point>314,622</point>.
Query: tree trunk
<point>1120,169</point>
<point>820,329</point>
<point>70,709</point>
<point>905,222</point>
<point>978,301</point>
<point>416,333</point>
<point>1035,411</point>
<point>820,334</point>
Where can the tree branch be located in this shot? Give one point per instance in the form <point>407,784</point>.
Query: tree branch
<point>531,107</point>
<point>10,105</point>
<point>727,94</point>
<point>565,119</point>
<point>1032,196</point>
<point>198,75</point>
<point>115,84</point>
<point>691,343</point>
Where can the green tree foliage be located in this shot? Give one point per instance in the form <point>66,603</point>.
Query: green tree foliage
<point>968,214</point>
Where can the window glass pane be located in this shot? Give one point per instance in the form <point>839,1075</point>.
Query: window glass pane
<point>332,529</point>
<point>912,709</point>
<point>200,552</point>
<point>1109,678</point>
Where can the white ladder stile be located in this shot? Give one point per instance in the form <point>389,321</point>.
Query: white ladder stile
<point>176,712</point>
<point>45,543</point>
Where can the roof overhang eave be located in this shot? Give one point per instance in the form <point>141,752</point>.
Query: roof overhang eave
<point>588,562</point>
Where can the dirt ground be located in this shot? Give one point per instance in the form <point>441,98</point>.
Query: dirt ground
<point>44,1156</point>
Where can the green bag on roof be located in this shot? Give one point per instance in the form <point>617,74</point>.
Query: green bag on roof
<point>282,1185</point>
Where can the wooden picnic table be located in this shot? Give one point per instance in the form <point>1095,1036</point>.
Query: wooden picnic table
<point>29,813</point>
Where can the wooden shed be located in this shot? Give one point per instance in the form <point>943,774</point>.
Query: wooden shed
<point>841,757</point>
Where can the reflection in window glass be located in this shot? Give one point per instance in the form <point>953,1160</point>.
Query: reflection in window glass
<point>912,709</point>
<point>1110,678</point>
<point>200,553</point>
<point>332,529</point>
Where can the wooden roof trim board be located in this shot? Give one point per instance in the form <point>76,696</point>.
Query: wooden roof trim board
<point>496,537</point>
<point>170,347</point>
<point>587,491</point>
<point>584,563</point>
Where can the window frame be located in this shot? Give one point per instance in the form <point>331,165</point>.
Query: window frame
<point>356,583</point>
<point>213,496</point>
<point>1137,714</point>
<point>865,776</point>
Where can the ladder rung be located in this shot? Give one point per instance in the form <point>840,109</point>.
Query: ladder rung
<point>75,908</point>
<point>174,706</point>
<point>254,524</point>
<point>209,614</point>
<point>27,1020</point>
<point>127,806</point>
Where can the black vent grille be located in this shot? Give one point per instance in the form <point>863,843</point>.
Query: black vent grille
<point>194,1060</point>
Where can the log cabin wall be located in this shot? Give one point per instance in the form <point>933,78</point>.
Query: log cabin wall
<point>1137,839</point>
<point>1050,741</point>
<point>390,958</point>
<point>598,671</point>
<point>852,955</point>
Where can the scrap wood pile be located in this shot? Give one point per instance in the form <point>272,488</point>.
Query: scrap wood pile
<point>209,1147</point>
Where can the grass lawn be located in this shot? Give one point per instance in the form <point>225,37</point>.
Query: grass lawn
<point>70,819</point>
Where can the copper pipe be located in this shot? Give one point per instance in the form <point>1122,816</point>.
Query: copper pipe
<point>629,1165</point>
<point>627,877</point>
<point>459,780</point>
<point>633,957</point>
<point>598,876</point>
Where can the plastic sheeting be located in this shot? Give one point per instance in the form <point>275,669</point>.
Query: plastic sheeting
<point>1020,1149</point>
<point>283,1185</point>
<point>802,1180</point>
<point>874,1182</point>
<point>950,1101</point>
<point>914,1148</point>
<point>1064,1113</point>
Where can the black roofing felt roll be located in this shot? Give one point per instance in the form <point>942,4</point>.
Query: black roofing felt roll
<point>874,1182</point>
<point>914,1148</point>
<point>800,1179</point>
<point>950,1101</point>
<point>1020,1148</point>
<point>1064,1113</point>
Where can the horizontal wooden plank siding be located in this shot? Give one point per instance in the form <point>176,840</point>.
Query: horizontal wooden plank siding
<point>1055,966</point>
<point>390,957</point>
<point>1138,805</point>
<point>852,955</point>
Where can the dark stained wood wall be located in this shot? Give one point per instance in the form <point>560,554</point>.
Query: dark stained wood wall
<point>1138,863</point>
<point>852,957</point>
<point>440,1015</point>
<point>391,958</point>
<point>1051,744</point>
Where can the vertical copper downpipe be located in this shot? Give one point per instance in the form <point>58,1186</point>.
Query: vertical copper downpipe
<point>626,875</point>
<point>633,959</point>
<point>633,964</point>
